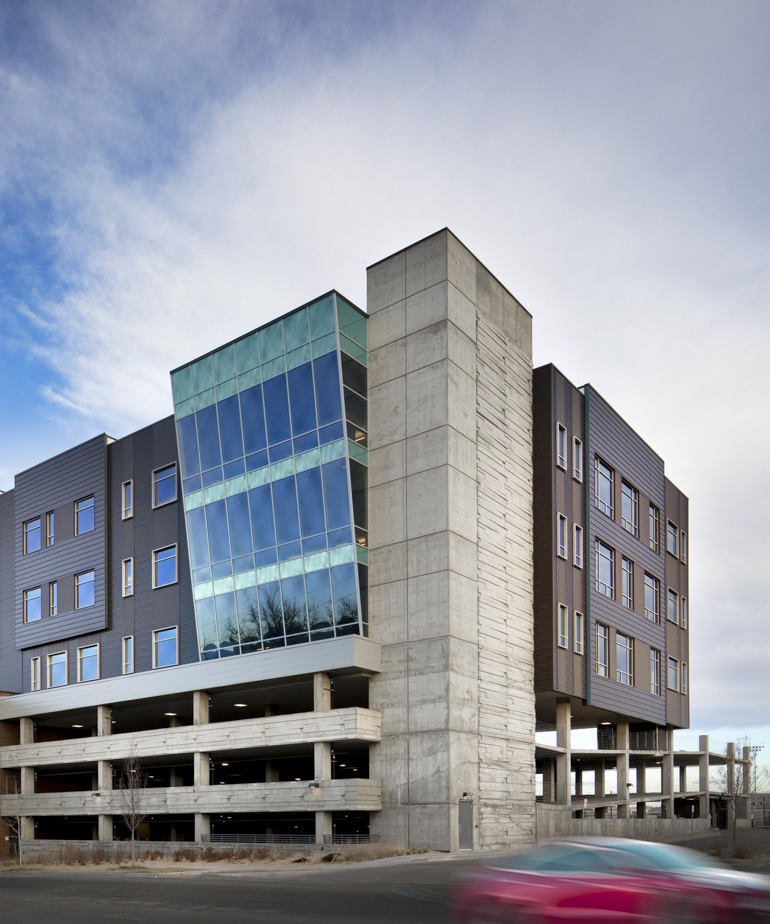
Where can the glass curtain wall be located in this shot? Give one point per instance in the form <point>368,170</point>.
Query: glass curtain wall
<point>272,433</point>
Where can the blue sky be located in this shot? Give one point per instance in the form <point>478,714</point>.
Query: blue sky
<point>173,174</point>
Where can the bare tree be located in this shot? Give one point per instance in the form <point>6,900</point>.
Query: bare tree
<point>13,817</point>
<point>132,795</point>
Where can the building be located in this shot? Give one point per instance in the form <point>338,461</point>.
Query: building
<point>337,592</point>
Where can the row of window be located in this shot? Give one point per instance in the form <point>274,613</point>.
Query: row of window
<point>562,534</point>
<point>624,663</point>
<point>562,460</point>
<point>164,570</point>
<point>578,629</point>
<point>164,490</point>
<point>32,530</point>
<point>165,653</point>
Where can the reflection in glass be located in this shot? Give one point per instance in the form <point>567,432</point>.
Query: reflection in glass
<point>253,415</point>
<point>327,385</point>
<point>302,399</point>
<point>240,526</point>
<point>277,410</point>
<point>188,446</point>
<point>208,437</point>
<point>219,538</point>
<point>230,429</point>
<point>285,500</point>
<point>270,612</point>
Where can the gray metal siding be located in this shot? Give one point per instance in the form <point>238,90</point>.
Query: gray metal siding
<point>10,669</point>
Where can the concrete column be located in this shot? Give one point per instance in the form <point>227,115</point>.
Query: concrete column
<point>27,825</point>
<point>27,780</point>
<point>322,760</point>
<point>641,789</point>
<point>105,827</point>
<point>322,692</point>
<point>104,775</point>
<point>200,707</point>
<point>578,781</point>
<point>703,776</point>
<point>323,826</point>
<point>667,784</point>
<point>174,777</point>
<point>202,826</point>
<point>104,720</point>
<point>623,765</point>
<point>683,778</point>
<point>549,781</point>
<point>564,761</point>
<point>201,769</point>
<point>26,731</point>
<point>599,779</point>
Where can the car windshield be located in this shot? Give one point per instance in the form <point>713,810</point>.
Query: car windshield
<point>663,856</point>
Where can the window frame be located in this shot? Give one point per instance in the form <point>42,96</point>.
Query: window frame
<point>155,481</point>
<point>654,528</point>
<point>561,445</point>
<point>27,529</point>
<point>577,459</point>
<point>629,493</point>
<point>683,678</point>
<point>127,499</point>
<point>562,626</point>
<point>155,553</point>
<point>683,612</point>
<point>50,664</point>
<point>672,538</point>
<point>683,546</point>
<point>80,574</point>
<point>672,600</point>
<point>655,662</point>
<point>81,659</point>
<point>599,545</point>
<point>602,649</point>
<point>624,677</point>
<point>578,547</point>
<point>35,675</point>
<point>53,598</point>
<point>562,540</point>
<point>28,595</point>
<point>50,528</point>
<point>127,654</point>
<point>627,582</point>
<point>127,577</point>
<point>607,476</point>
<point>155,643</point>
<point>78,510</point>
<point>579,632</point>
<point>655,587</point>
<point>673,666</point>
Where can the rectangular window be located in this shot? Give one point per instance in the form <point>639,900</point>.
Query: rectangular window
<point>32,536</point>
<point>561,537</point>
<point>683,546</point>
<point>673,606</point>
<point>34,674</point>
<point>32,605</point>
<point>604,487</point>
<point>88,663</point>
<point>50,528</point>
<point>84,589</point>
<point>628,583</point>
<point>128,577</point>
<point>84,515</point>
<point>629,509</point>
<point>128,654</point>
<point>164,567</point>
<point>602,650</point>
<point>577,545</point>
<point>683,612</point>
<point>57,669</point>
<point>605,569</point>
<point>563,616</point>
<point>672,539</point>
<point>654,671</point>
<point>577,459</point>
<point>53,598</point>
<point>561,445</point>
<point>624,647</point>
<point>164,647</point>
<point>654,528</point>
<point>164,485</point>
<point>673,674</point>
<point>683,679</point>
<point>127,496</point>
<point>652,598</point>
<point>580,629</point>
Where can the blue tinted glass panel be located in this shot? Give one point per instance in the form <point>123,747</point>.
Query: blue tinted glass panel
<point>314,544</point>
<point>222,569</point>
<point>331,433</point>
<point>261,502</point>
<point>311,502</point>
<point>240,526</point>
<point>294,605</point>
<point>270,613</point>
<point>302,399</point>
<point>363,589</point>
<point>280,452</point>
<point>319,600</point>
<point>244,563</point>
<point>345,595</point>
<point>192,484</point>
<point>285,501</point>
<point>188,446</point>
<point>335,476</point>
<point>277,409</point>
<point>208,437</point>
<point>226,619</point>
<point>248,614</point>
<point>201,575</point>
<point>290,550</point>
<point>219,539</point>
<point>230,429</point>
<point>340,537</point>
<point>253,415</point>
<point>197,538</point>
<point>208,637</point>
<point>305,442</point>
<point>232,469</point>
<point>212,477</point>
<point>265,557</point>
<point>327,384</point>
<point>256,460</point>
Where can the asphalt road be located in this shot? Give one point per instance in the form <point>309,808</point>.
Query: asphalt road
<point>403,892</point>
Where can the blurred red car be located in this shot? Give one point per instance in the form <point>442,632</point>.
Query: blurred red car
<point>605,880</point>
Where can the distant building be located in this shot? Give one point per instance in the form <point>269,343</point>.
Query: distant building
<point>336,593</point>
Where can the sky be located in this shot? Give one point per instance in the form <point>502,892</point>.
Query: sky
<point>175,173</point>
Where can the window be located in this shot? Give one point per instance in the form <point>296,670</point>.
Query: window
<point>127,499</point>
<point>629,509</point>
<point>84,515</point>
<point>57,669</point>
<point>84,589</point>
<point>563,615</point>
<point>164,647</point>
<point>683,546</point>
<point>627,590</point>
<point>602,650</point>
<point>561,445</point>
<point>624,647</point>
<point>683,679</point>
<point>164,567</point>
<point>580,628</point>
<point>32,536</point>
<point>605,569</point>
<point>654,671</point>
<point>673,606</point>
<point>53,598</point>
<point>50,528</point>
<point>603,487</point>
<point>577,545</point>
<point>654,528</point>
<point>128,654</point>
<point>561,537</point>
<point>164,485</point>
<point>672,537</point>
<point>683,612</point>
<point>577,459</point>
<point>673,674</point>
<point>128,577</point>
<point>652,598</point>
<point>88,663</point>
<point>32,607</point>
<point>34,674</point>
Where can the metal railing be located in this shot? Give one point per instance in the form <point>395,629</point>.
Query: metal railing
<point>258,838</point>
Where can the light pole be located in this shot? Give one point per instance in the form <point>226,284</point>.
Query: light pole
<point>754,749</point>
